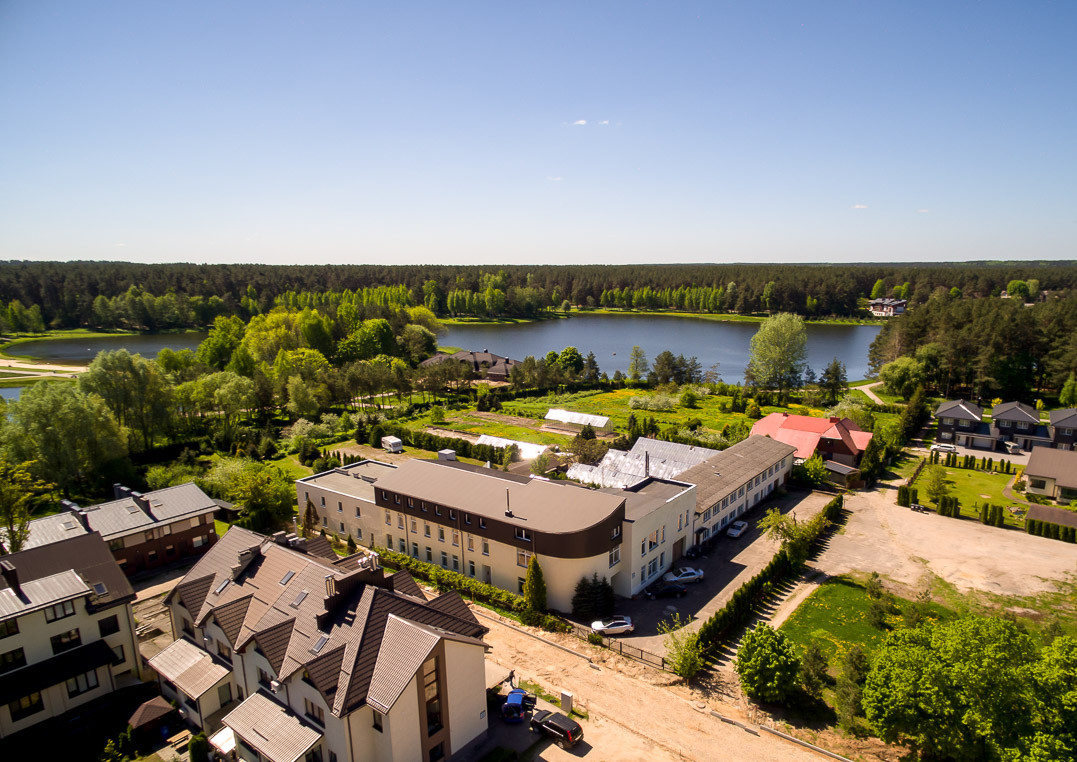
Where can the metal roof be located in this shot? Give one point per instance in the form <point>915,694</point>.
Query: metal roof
<point>1060,465</point>
<point>648,457</point>
<point>39,593</point>
<point>526,450</point>
<point>356,480</point>
<point>190,668</point>
<point>272,730</point>
<point>581,419</point>
<point>728,470</point>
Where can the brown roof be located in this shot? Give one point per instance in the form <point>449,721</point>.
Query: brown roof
<point>286,602</point>
<point>1060,465</point>
<point>1052,515</point>
<point>88,556</point>
<point>718,476</point>
<point>271,729</point>
<point>536,504</point>
<point>154,709</point>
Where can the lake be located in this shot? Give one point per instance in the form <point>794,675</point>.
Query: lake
<point>611,338</point>
<point>84,350</point>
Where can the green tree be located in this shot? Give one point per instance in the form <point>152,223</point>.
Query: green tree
<point>301,400</point>
<point>834,382</point>
<point>902,376</point>
<point>1054,679</point>
<point>812,472</point>
<point>638,367</point>
<point>878,290</point>
<point>18,491</point>
<point>777,353</point>
<point>767,664</point>
<point>1018,289</point>
<point>571,361</point>
<point>534,586</point>
<point>683,649</point>
<point>198,748</point>
<point>310,519</point>
<point>934,482</point>
<point>814,670</point>
<point>1068,396</point>
<point>135,389</point>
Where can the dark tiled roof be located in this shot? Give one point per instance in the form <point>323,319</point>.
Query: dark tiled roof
<point>1066,418</point>
<point>87,555</point>
<point>962,409</point>
<point>321,547</point>
<point>230,617</point>
<point>154,709</point>
<point>1051,515</point>
<point>1015,411</point>
<point>404,583</point>
<point>1060,465</point>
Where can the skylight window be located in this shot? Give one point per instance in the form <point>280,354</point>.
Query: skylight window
<point>222,586</point>
<point>299,599</point>
<point>287,577</point>
<point>320,644</point>
<point>99,588</point>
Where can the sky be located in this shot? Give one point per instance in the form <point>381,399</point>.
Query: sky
<point>537,132</point>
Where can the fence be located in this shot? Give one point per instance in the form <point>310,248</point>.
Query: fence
<point>624,649</point>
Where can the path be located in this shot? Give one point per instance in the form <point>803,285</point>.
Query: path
<point>1007,491</point>
<point>867,389</point>
<point>635,708</point>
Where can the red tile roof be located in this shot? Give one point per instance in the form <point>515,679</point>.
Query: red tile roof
<point>804,432</point>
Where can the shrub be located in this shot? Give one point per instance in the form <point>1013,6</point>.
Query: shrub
<point>654,402</point>
<point>444,579</point>
<point>767,664</point>
<point>198,748</point>
<point>594,638</point>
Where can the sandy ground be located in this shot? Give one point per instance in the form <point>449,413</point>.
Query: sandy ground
<point>41,368</point>
<point>636,713</point>
<point>908,547</point>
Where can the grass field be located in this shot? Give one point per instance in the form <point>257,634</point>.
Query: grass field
<point>969,487</point>
<point>13,381</point>
<point>835,617</point>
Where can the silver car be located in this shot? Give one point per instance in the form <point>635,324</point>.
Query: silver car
<point>616,625</point>
<point>736,529</point>
<point>684,574</point>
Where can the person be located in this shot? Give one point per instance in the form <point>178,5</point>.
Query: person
<point>512,678</point>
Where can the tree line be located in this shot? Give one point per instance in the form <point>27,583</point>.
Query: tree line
<point>157,297</point>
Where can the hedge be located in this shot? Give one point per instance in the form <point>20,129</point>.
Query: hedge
<point>1054,531</point>
<point>740,607</point>
<point>443,579</point>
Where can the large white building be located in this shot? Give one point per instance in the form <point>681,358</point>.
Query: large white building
<point>67,635</point>
<point>286,656</point>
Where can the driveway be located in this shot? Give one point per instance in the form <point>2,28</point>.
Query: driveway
<point>1017,459</point>
<point>726,567</point>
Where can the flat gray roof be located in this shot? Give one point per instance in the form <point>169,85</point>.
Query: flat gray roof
<point>648,496</point>
<point>348,480</point>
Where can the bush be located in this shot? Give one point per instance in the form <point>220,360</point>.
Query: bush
<point>767,664</point>
<point>594,638</point>
<point>198,748</point>
<point>444,579</point>
<point>655,402</point>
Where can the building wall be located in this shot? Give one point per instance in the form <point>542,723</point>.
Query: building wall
<point>465,671</point>
<point>402,725</point>
<point>164,544</point>
<point>1049,487</point>
<point>745,497</point>
<point>34,637</point>
<point>641,564</point>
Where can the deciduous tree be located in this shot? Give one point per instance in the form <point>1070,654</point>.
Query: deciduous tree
<point>778,353</point>
<point>767,664</point>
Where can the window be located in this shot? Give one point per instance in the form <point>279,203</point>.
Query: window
<point>358,515</point>
<point>87,681</point>
<point>109,625</point>
<point>66,641</point>
<point>662,559</point>
<point>358,533</point>
<point>115,545</point>
<point>397,498</point>
<point>486,547</point>
<point>342,526</point>
<point>615,556</point>
<point>520,581</point>
<point>471,544</point>
<point>12,660</point>
<point>313,711</point>
<point>482,523</point>
<point>523,534</point>
<point>403,546</point>
<point>467,518</point>
<point>441,534</point>
<point>456,539</point>
<point>388,519</point>
<point>415,549</point>
<point>187,627</point>
<point>653,540</point>
<point>415,528</point>
<point>400,521</point>
<point>452,515</point>
<point>432,696</point>
<point>325,521</point>
<point>429,555</point>
<point>224,651</point>
<point>1037,483</point>
<point>118,656</point>
<point>643,547</point>
<point>377,721</point>
<point>437,510</point>
<point>471,568</point>
<point>384,495</point>
<point>615,533</point>
<point>1066,432</point>
<point>456,563</point>
<point>444,559</point>
<point>411,503</point>
<point>340,506</point>
<point>1022,425</point>
<point>263,678</point>
<point>523,556</point>
<point>60,611</point>
<point>652,568</point>
<point>323,501</point>
<point>437,753</point>
<point>948,421</point>
<point>26,706</point>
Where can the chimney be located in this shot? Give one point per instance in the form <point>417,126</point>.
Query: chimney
<point>245,558</point>
<point>280,538</point>
<point>140,499</point>
<point>834,419</point>
<point>508,505</point>
<point>119,491</point>
<point>11,576</point>
<point>76,513</point>
<point>646,463</point>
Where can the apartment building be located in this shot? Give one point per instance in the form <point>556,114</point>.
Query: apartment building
<point>736,480</point>
<point>67,635</point>
<point>287,656</point>
<point>142,531</point>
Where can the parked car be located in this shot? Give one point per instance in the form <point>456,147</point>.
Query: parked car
<point>694,551</point>
<point>943,448</point>
<point>736,529</point>
<point>518,704</point>
<point>565,732</point>
<point>918,507</point>
<point>1013,448</point>
<point>684,574</point>
<point>667,590</point>
<point>615,625</point>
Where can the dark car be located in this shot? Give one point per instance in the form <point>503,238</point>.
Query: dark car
<point>564,731</point>
<point>695,551</point>
<point>518,703</point>
<point>667,590</point>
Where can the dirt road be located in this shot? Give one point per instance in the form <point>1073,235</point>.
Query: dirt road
<point>637,713</point>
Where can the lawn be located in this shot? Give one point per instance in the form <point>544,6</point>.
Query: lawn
<point>969,487</point>
<point>903,466</point>
<point>291,466</point>
<point>835,617</point>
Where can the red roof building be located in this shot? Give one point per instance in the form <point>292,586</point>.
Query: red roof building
<point>838,439</point>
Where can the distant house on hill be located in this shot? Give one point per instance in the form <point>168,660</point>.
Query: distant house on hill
<point>835,439</point>
<point>485,364</point>
<point>887,307</point>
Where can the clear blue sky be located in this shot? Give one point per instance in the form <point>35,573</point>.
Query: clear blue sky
<point>466,132</point>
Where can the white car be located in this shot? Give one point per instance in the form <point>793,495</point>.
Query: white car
<point>684,574</point>
<point>943,448</point>
<point>736,529</point>
<point>615,625</point>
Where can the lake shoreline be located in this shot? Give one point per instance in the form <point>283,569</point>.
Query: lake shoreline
<point>719,317</point>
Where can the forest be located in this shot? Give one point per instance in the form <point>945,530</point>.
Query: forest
<point>112,295</point>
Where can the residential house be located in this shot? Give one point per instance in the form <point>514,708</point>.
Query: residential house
<point>1063,428</point>
<point>142,531</point>
<point>483,364</point>
<point>961,423</point>
<point>285,656</point>
<point>1019,423</point>
<point>1052,472</point>
<point>67,635</point>
<point>834,439</point>
<point>887,307</point>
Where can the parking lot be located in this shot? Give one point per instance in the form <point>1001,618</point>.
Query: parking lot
<point>726,566</point>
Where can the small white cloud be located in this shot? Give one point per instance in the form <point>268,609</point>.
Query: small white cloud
<point>579,123</point>
<point>605,122</point>
<point>555,179</point>
<point>922,211</point>
<point>860,206</point>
